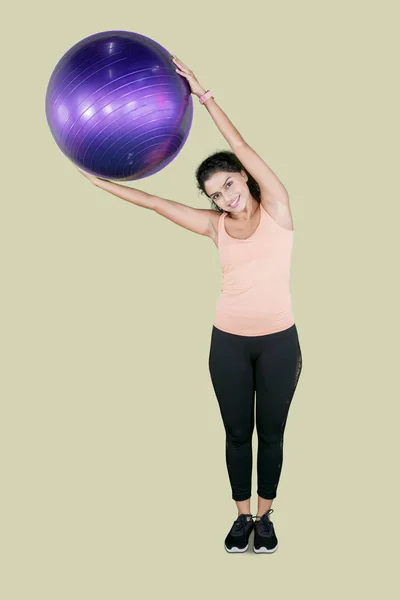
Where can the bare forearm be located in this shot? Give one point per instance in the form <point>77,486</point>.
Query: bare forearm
<point>127,193</point>
<point>224,124</point>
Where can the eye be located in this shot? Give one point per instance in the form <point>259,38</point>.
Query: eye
<point>216,195</point>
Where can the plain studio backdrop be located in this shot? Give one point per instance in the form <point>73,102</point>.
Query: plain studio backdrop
<point>113,474</point>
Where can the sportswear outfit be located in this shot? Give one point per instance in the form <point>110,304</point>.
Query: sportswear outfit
<point>255,357</point>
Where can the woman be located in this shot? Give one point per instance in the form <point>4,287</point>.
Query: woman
<point>254,347</point>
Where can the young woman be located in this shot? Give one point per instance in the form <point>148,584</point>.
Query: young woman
<point>254,349</point>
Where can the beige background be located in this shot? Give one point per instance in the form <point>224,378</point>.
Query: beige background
<point>114,482</point>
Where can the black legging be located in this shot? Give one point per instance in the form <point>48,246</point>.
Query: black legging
<point>269,366</point>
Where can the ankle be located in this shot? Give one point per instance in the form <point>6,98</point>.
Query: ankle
<point>259,515</point>
<point>249,516</point>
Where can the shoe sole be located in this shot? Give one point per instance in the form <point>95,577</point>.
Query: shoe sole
<point>235,549</point>
<point>264,550</point>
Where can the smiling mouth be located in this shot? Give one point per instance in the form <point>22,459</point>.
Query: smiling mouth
<point>235,201</point>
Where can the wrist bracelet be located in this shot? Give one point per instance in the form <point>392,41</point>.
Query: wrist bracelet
<point>206,96</point>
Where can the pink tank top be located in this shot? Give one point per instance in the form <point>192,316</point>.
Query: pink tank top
<point>255,297</point>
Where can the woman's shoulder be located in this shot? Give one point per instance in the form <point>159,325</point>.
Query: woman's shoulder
<point>215,216</point>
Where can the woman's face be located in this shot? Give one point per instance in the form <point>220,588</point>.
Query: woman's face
<point>229,191</point>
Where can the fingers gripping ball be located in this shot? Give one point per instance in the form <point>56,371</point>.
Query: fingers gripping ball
<point>117,108</point>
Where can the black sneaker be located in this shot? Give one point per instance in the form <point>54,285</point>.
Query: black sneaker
<point>237,539</point>
<point>264,534</point>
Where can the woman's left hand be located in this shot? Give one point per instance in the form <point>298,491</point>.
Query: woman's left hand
<point>183,70</point>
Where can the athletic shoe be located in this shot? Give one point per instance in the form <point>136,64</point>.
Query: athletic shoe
<point>237,539</point>
<point>264,534</point>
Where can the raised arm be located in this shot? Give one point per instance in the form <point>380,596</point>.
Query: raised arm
<point>197,220</point>
<point>270,185</point>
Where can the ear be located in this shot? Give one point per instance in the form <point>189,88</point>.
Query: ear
<point>244,174</point>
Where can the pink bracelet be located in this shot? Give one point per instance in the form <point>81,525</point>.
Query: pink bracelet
<point>206,96</point>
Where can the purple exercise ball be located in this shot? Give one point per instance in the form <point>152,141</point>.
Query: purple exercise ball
<point>116,106</point>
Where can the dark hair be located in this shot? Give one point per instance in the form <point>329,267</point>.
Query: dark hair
<point>224,160</point>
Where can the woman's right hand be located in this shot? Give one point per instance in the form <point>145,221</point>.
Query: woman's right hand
<point>92,178</point>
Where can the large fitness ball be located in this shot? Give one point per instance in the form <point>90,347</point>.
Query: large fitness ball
<point>116,106</point>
